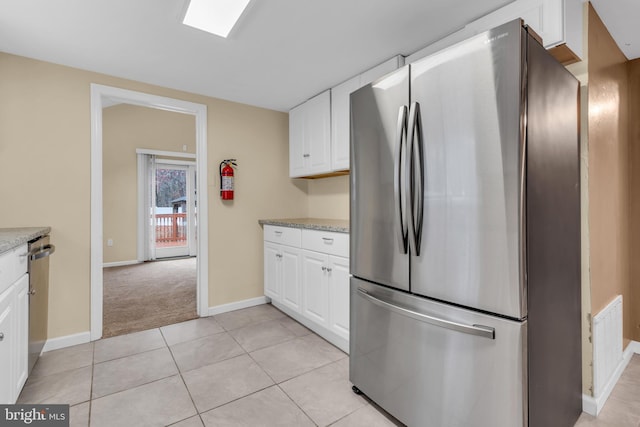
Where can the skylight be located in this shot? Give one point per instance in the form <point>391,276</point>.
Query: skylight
<point>214,16</point>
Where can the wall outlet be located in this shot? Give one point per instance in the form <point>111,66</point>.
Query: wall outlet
<point>184,147</point>
<point>109,242</point>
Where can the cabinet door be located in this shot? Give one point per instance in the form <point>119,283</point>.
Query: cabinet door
<point>21,354</point>
<point>7,343</point>
<point>297,148</point>
<point>317,132</point>
<point>315,291</point>
<point>341,123</point>
<point>338,273</point>
<point>272,271</point>
<point>291,283</point>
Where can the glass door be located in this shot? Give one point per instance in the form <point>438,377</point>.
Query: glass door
<point>173,210</point>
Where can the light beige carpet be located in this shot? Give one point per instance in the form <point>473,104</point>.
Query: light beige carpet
<point>148,295</point>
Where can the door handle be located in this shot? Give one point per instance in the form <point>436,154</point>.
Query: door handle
<point>475,329</point>
<point>415,178</point>
<point>400,151</point>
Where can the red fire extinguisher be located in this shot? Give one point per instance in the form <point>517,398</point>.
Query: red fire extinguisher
<point>226,178</point>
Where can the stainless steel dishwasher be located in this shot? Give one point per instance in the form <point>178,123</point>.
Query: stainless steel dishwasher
<point>39,251</point>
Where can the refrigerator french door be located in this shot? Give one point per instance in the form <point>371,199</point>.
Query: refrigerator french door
<point>464,176</point>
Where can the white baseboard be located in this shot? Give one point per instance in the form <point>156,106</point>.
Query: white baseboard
<point>592,405</point>
<point>66,341</point>
<point>223,308</point>
<point>85,337</point>
<point>120,263</point>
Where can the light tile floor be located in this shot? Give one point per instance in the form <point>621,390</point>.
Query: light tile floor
<point>623,405</point>
<point>251,367</point>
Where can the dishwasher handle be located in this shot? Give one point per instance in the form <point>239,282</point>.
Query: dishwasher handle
<point>42,252</point>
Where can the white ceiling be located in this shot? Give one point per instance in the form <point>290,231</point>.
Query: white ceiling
<point>280,53</point>
<point>621,18</point>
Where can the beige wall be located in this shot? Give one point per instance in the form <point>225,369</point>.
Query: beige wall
<point>124,129</point>
<point>329,197</point>
<point>608,170</point>
<point>45,144</point>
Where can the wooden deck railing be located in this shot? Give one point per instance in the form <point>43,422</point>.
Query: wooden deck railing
<point>171,228</point>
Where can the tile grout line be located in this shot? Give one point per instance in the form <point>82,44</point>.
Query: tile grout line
<point>182,378</point>
<point>296,403</point>
<point>93,355</point>
<point>133,354</point>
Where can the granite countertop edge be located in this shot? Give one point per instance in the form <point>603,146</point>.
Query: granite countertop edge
<point>335,225</point>
<point>11,238</point>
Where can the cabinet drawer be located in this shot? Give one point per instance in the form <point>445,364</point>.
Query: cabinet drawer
<point>13,264</point>
<point>283,235</point>
<point>326,242</point>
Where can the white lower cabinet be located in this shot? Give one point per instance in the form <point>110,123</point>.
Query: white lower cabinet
<point>14,332</point>
<point>7,320</point>
<point>291,286</point>
<point>339,295</point>
<point>308,278</point>
<point>315,287</point>
<point>272,270</point>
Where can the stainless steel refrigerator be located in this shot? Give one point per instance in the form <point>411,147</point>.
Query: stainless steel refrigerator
<point>465,237</point>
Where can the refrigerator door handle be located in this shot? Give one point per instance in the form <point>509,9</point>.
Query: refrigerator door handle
<point>415,177</point>
<point>401,143</point>
<point>477,330</point>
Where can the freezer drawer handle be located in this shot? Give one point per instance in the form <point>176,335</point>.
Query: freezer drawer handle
<point>43,252</point>
<point>478,330</point>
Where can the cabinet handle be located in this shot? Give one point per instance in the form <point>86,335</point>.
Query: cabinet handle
<point>31,292</point>
<point>1,336</point>
<point>306,155</point>
<point>328,240</point>
<point>324,268</point>
<point>329,269</point>
<point>278,233</point>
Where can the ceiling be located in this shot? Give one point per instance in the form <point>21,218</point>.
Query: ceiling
<point>280,53</point>
<point>621,18</point>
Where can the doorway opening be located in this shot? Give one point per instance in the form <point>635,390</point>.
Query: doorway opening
<point>190,236</point>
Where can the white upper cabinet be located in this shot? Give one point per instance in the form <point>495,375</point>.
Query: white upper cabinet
<point>340,123</point>
<point>310,137</point>
<point>340,114</point>
<point>319,128</point>
<point>557,22</point>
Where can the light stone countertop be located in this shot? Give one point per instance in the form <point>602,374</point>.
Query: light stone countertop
<point>336,225</point>
<point>13,237</point>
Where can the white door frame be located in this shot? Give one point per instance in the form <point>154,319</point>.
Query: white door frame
<point>100,93</point>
